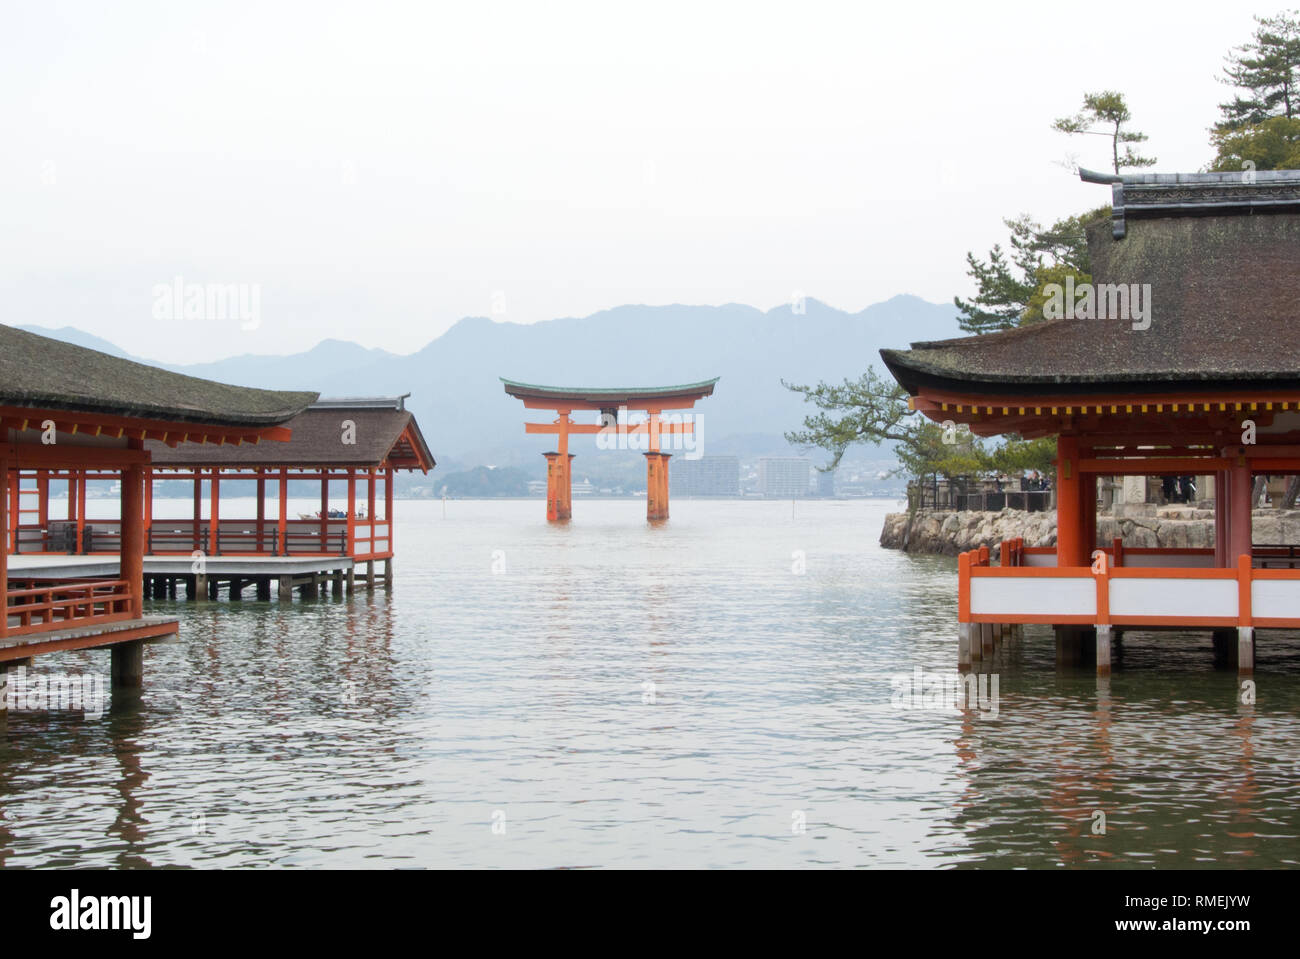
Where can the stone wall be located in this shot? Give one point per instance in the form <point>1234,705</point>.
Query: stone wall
<point>947,533</point>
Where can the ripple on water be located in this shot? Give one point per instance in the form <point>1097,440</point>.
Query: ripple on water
<point>642,696</point>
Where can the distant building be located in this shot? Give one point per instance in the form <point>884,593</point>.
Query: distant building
<point>706,476</point>
<point>826,483</point>
<point>783,476</point>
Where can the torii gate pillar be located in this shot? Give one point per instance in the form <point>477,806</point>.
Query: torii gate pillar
<point>559,486</point>
<point>656,485</point>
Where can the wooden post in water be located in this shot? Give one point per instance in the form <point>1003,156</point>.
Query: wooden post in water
<point>127,665</point>
<point>1103,649</point>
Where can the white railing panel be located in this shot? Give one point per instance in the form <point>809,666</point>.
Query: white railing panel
<point>1275,599</point>
<point>1033,596</point>
<point>1173,598</point>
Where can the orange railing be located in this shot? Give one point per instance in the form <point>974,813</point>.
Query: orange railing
<point>40,608</point>
<point>1137,595</point>
<point>371,538</point>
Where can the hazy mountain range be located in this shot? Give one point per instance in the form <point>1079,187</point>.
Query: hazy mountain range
<point>467,418</point>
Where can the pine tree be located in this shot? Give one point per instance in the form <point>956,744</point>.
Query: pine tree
<point>1108,109</point>
<point>1260,126</point>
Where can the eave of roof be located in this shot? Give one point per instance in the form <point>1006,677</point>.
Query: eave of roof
<point>40,373</point>
<point>317,441</point>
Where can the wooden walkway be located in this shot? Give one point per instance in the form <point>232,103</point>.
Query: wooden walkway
<point>165,576</point>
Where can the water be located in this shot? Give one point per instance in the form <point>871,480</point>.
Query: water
<point>507,718</point>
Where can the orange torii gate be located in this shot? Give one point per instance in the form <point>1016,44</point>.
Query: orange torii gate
<point>608,402</point>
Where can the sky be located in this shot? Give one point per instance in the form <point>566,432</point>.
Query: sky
<point>376,171</point>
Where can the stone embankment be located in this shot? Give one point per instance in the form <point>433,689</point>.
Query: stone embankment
<point>947,533</point>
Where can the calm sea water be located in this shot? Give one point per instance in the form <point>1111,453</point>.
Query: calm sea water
<point>717,691</point>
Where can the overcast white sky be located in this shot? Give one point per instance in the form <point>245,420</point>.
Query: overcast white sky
<point>381,170</point>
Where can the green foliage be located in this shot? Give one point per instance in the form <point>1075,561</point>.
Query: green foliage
<point>870,409</point>
<point>1017,454</point>
<point>1273,144</point>
<point>1009,291</point>
<point>950,452</point>
<point>1266,69</point>
<point>1109,110</point>
<point>874,410</point>
<point>1260,125</point>
<point>1000,295</point>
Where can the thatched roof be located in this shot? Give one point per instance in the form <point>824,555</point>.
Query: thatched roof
<point>1220,256</point>
<point>383,433</point>
<point>40,373</point>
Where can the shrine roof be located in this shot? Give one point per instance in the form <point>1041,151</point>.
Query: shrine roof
<point>1217,256</point>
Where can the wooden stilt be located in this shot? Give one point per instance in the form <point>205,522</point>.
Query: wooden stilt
<point>963,646</point>
<point>1245,650</point>
<point>127,665</point>
<point>1103,650</point>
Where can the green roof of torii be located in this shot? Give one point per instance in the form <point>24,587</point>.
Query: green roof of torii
<point>598,394</point>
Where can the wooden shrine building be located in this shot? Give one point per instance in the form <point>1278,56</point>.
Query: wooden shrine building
<point>663,406</point>
<point>357,445</point>
<point>1186,361</point>
<point>66,411</point>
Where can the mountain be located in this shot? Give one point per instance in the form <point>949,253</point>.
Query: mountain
<point>467,418</point>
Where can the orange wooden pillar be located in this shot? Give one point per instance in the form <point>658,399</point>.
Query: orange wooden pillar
<point>282,523</point>
<point>1240,533</point>
<point>43,494</point>
<point>656,485</point>
<point>324,510</point>
<point>352,508</point>
<point>214,515</point>
<point>566,487</point>
<point>1221,518</point>
<point>261,510</point>
<point>148,510</point>
<point>198,508</point>
<point>388,508</point>
<point>1088,517</point>
<point>565,462</point>
<point>559,472</point>
<point>82,545</point>
<point>554,481</point>
<point>132,554</point>
<point>1070,546</point>
<point>15,507</point>
<point>4,547</point>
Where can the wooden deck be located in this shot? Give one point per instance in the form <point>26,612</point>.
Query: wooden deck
<point>93,636</point>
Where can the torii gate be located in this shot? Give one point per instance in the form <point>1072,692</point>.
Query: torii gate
<point>608,402</point>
